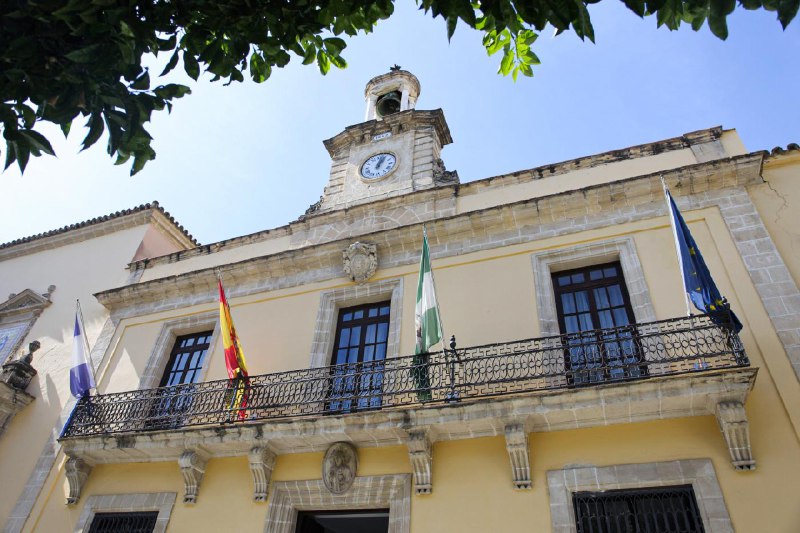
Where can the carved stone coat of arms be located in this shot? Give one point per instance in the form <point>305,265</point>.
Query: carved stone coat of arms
<point>339,467</point>
<point>360,261</point>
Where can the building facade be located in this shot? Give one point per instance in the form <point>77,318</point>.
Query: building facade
<point>575,395</point>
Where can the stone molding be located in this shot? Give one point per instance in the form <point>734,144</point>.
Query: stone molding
<point>598,206</point>
<point>18,314</point>
<point>419,452</point>
<point>332,300</point>
<point>656,398</point>
<point>697,472</point>
<point>193,465</point>
<point>369,492</point>
<point>517,447</point>
<point>163,502</point>
<point>768,272</point>
<point>170,331</point>
<point>12,401</point>
<point>735,427</point>
<point>262,462</point>
<point>622,249</point>
<point>77,471</point>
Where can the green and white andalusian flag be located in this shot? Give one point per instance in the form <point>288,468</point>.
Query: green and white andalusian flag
<point>427,321</point>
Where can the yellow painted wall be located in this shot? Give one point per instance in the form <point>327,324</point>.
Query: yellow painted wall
<point>77,270</point>
<point>472,479</point>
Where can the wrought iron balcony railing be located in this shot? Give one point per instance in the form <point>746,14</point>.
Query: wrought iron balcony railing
<point>604,356</point>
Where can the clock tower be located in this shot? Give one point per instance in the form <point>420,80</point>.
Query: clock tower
<point>395,151</point>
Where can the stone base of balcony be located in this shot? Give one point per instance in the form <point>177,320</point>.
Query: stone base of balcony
<point>692,394</point>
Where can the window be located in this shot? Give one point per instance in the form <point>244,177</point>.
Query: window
<point>334,521</point>
<point>174,400</point>
<point>362,334</point>
<point>595,316</point>
<point>124,522</point>
<point>648,510</point>
<point>186,359</point>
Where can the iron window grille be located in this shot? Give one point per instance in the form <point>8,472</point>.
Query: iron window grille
<point>139,522</point>
<point>650,510</point>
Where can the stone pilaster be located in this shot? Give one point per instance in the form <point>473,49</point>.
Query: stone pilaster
<point>419,450</point>
<point>193,466</point>
<point>735,428</point>
<point>77,471</point>
<point>517,447</point>
<point>262,461</point>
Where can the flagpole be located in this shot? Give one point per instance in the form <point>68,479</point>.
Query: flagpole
<point>86,341</point>
<point>453,395</point>
<point>671,216</point>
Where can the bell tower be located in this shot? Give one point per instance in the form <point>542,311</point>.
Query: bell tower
<point>395,151</point>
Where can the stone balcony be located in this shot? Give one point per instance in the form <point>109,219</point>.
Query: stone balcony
<point>673,368</point>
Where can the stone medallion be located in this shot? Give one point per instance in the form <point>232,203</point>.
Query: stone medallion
<point>339,467</point>
<point>360,261</point>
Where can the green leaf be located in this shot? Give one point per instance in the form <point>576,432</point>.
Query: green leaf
<point>637,6</point>
<point>323,62</point>
<point>310,55</point>
<point>84,55</point>
<point>191,66</point>
<point>38,142</point>
<point>787,10</point>
<point>96,127</point>
<point>507,62</point>
<point>11,153</point>
<point>334,45</point>
<point>142,83</point>
<point>173,60</point>
<point>452,22</point>
<point>65,127</point>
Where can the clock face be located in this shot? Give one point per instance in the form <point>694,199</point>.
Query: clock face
<point>378,166</point>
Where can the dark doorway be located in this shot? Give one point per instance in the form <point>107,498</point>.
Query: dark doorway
<point>371,521</point>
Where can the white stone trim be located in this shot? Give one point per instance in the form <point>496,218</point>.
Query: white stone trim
<point>128,503</point>
<point>697,472</point>
<point>332,300</point>
<point>622,249</point>
<point>369,492</point>
<point>171,330</point>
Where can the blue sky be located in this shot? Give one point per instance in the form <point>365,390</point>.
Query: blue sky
<point>239,159</point>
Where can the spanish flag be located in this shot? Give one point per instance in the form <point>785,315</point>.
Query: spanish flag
<point>234,357</point>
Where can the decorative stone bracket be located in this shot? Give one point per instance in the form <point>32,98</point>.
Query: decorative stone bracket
<point>262,461</point>
<point>193,466</point>
<point>735,428</point>
<point>517,447</point>
<point>77,471</point>
<point>419,450</point>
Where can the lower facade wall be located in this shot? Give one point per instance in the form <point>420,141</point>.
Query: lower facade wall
<point>472,484</point>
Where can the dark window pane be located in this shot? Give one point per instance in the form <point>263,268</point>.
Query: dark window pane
<point>595,275</point>
<point>563,280</point>
<point>610,272</point>
<point>187,355</point>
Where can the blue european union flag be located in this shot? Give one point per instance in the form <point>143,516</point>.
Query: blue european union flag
<point>697,279</point>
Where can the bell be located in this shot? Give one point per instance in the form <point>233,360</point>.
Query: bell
<point>388,104</point>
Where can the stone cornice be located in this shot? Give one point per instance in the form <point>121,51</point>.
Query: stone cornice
<point>605,158</point>
<point>97,227</point>
<point>451,235</point>
<point>402,121</point>
<point>473,187</point>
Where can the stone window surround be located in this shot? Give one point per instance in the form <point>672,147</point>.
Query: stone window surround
<point>696,472</point>
<point>332,300</point>
<point>368,492</point>
<point>170,331</point>
<point>162,502</point>
<point>619,249</point>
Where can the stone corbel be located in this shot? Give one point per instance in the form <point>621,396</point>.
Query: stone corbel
<point>193,466</point>
<point>735,427</point>
<point>517,447</point>
<point>419,450</point>
<point>262,461</point>
<point>77,471</point>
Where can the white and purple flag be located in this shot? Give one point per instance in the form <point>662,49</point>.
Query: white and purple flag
<point>81,377</point>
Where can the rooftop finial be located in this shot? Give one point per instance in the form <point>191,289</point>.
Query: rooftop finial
<point>395,68</point>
